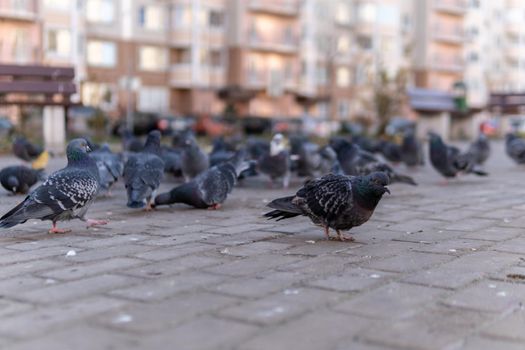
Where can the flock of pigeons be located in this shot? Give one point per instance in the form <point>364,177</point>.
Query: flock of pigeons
<point>347,177</point>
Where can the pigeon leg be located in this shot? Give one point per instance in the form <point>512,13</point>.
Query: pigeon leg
<point>215,206</point>
<point>92,222</point>
<point>343,238</point>
<point>327,232</point>
<point>148,206</point>
<point>54,229</point>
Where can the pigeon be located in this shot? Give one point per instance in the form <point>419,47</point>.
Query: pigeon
<point>276,163</point>
<point>110,167</point>
<point>210,188</point>
<point>130,143</point>
<point>143,172</point>
<point>515,148</point>
<point>30,152</point>
<point>366,143</point>
<point>480,149</point>
<point>334,201</point>
<point>329,162</point>
<point>221,152</point>
<point>66,194</point>
<point>194,161</point>
<point>449,161</point>
<point>19,178</point>
<point>257,148</point>
<point>356,161</point>
<point>309,159</point>
<point>172,160</point>
<point>411,150</point>
<point>391,151</point>
<point>180,137</point>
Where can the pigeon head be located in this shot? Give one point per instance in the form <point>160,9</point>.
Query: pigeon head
<point>373,186</point>
<point>77,150</point>
<point>338,143</point>
<point>434,138</point>
<point>152,144</point>
<point>277,145</point>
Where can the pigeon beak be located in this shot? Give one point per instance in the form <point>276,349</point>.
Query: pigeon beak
<point>387,190</point>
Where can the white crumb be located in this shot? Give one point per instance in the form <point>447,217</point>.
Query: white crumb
<point>71,253</point>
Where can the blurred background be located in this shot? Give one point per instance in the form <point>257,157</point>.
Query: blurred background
<point>220,67</point>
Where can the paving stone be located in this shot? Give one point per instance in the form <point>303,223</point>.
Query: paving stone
<point>256,248</point>
<point>206,333</point>
<point>433,328</point>
<point>489,296</point>
<point>515,245</point>
<point>36,254</point>
<point>453,246</point>
<point>105,253</point>
<point>478,343</point>
<point>391,301</point>
<point>494,234</point>
<point>410,261</point>
<point>154,317</point>
<point>71,290</point>
<point>249,266</point>
<point>508,327</point>
<point>470,224</point>
<point>42,320</point>
<point>253,287</point>
<point>167,287</point>
<point>313,331</point>
<point>352,280</point>
<point>172,252</point>
<point>280,306</point>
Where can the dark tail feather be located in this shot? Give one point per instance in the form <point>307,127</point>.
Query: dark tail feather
<point>4,220</point>
<point>404,179</point>
<point>280,215</point>
<point>479,172</point>
<point>285,209</point>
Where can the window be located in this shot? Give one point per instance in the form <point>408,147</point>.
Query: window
<point>215,58</point>
<point>343,77</point>
<point>153,99</point>
<point>151,17</point>
<point>367,12</point>
<point>365,42</point>
<point>182,56</point>
<point>343,13</point>
<point>343,109</point>
<point>59,42</point>
<point>100,11</point>
<point>152,58</point>
<point>322,75</point>
<point>59,5</point>
<point>343,44</point>
<point>101,53</point>
<point>181,15</point>
<point>388,15</point>
<point>215,19</point>
<point>99,95</point>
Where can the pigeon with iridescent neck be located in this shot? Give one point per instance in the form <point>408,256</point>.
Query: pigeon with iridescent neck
<point>66,194</point>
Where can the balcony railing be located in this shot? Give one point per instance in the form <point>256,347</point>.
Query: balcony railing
<point>277,7</point>
<point>455,7</point>
<point>450,64</point>
<point>19,10</point>
<point>449,34</point>
<point>284,44</point>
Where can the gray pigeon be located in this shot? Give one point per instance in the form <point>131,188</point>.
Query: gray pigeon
<point>411,150</point>
<point>356,161</point>
<point>449,161</point>
<point>276,164</point>
<point>333,201</point>
<point>210,188</point>
<point>19,178</point>
<point>66,194</point>
<point>110,166</point>
<point>143,172</point>
<point>480,149</point>
<point>194,161</point>
<point>172,158</point>
<point>515,148</point>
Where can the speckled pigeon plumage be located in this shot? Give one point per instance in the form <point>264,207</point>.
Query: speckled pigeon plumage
<point>143,173</point>
<point>66,194</point>
<point>356,161</point>
<point>19,178</point>
<point>110,166</point>
<point>210,188</point>
<point>449,161</point>
<point>334,201</point>
<point>480,149</point>
<point>515,148</point>
<point>194,161</point>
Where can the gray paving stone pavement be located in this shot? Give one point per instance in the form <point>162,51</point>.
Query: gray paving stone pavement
<point>437,267</point>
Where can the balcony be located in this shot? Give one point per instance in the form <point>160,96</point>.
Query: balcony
<point>180,75</point>
<point>448,64</point>
<point>18,10</point>
<point>283,45</point>
<point>181,37</point>
<point>288,8</point>
<point>452,7</point>
<point>449,35</point>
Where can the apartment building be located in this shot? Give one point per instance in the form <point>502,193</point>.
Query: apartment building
<point>439,41</point>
